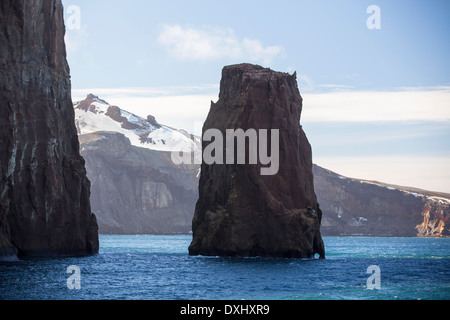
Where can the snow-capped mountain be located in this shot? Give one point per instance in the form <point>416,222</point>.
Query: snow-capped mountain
<point>94,114</point>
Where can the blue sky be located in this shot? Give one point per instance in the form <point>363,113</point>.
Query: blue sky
<point>376,102</point>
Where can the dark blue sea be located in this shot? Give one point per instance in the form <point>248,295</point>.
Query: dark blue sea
<point>153,267</point>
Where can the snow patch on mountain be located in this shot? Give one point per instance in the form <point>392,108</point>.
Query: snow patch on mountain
<point>94,114</point>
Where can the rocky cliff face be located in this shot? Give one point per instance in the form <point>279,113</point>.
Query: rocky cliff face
<point>357,207</point>
<point>44,192</point>
<point>137,190</point>
<point>239,211</point>
<point>436,219</point>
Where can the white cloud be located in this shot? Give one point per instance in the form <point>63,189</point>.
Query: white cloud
<point>213,43</point>
<point>424,104</point>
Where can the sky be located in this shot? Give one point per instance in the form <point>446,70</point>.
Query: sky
<point>375,82</point>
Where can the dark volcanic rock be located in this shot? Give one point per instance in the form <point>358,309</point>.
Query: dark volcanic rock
<point>151,119</point>
<point>239,211</point>
<point>44,191</point>
<point>114,113</point>
<point>137,190</point>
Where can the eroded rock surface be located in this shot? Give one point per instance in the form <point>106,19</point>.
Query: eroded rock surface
<point>239,211</point>
<point>44,191</point>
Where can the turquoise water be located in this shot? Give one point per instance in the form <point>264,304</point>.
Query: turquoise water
<point>158,267</point>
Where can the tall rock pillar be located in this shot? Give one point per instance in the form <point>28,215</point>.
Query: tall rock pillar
<point>242,211</point>
<point>44,191</point>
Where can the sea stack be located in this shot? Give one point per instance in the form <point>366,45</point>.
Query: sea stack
<point>241,211</point>
<point>44,191</point>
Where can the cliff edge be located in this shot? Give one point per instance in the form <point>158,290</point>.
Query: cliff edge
<point>241,211</point>
<point>44,191</point>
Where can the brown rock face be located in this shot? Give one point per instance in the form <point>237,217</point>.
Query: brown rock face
<point>239,211</point>
<point>44,192</point>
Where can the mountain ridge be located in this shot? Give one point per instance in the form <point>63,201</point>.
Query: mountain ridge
<point>94,114</point>
<point>357,207</point>
<point>409,211</point>
<point>397,186</point>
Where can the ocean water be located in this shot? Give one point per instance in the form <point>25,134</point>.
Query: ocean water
<point>153,267</point>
